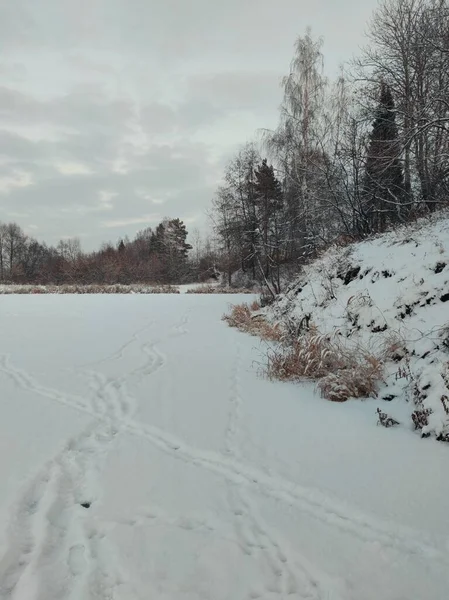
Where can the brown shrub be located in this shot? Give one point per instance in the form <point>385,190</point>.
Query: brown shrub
<point>343,373</point>
<point>310,355</point>
<point>357,381</point>
<point>242,318</point>
<point>255,306</point>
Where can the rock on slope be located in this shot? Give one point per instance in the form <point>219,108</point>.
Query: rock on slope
<point>390,289</point>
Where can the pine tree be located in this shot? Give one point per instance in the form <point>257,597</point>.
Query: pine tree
<point>169,245</point>
<point>176,233</point>
<point>384,178</point>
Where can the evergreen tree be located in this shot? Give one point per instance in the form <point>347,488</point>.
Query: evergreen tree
<point>169,244</point>
<point>384,178</point>
<point>268,201</point>
<point>176,234</point>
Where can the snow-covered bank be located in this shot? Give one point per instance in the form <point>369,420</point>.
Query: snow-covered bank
<point>393,291</point>
<point>141,456</point>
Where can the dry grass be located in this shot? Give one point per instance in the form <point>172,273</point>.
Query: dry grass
<point>356,381</point>
<point>89,289</point>
<point>215,289</point>
<point>255,306</point>
<point>241,316</point>
<point>342,372</point>
<point>385,420</point>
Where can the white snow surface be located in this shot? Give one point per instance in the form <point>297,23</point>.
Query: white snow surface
<point>199,478</point>
<point>399,294</point>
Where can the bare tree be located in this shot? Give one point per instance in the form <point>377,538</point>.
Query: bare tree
<point>297,144</point>
<point>14,240</point>
<point>2,250</point>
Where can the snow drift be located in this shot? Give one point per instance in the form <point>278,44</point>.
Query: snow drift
<point>388,291</point>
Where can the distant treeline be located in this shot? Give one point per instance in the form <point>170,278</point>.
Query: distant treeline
<point>153,256</point>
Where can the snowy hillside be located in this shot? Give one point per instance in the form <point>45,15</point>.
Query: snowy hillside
<point>389,292</point>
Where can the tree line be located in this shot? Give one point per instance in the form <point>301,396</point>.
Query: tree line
<point>159,255</point>
<point>350,157</point>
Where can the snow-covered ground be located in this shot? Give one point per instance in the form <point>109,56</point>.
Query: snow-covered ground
<point>142,456</point>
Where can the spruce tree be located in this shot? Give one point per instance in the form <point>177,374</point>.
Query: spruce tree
<point>384,178</point>
<point>268,200</point>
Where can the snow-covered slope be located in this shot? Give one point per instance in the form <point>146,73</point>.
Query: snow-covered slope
<point>390,291</point>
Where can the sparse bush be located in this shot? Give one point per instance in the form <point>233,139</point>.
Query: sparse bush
<point>385,420</point>
<point>356,381</point>
<point>310,355</point>
<point>355,304</point>
<point>242,318</point>
<point>420,417</point>
<point>343,372</point>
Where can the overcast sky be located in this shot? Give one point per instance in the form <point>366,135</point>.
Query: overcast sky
<point>116,113</point>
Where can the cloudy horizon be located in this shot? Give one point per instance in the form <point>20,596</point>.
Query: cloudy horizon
<point>115,114</point>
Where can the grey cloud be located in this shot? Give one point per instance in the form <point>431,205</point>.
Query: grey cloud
<point>89,64</point>
<point>16,23</point>
<point>13,71</point>
<point>210,98</point>
<point>237,90</point>
<point>95,151</point>
<point>158,118</point>
<point>190,116</point>
<point>87,107</point>
<point>92,109</point>
<point>197,113</point>
<point>170,31</point>
<point>90,127</point>
<point>159,171</point>
<point>15,147</point>
<point>17,107</point>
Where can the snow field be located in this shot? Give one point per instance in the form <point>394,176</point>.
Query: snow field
<point>143,456</point>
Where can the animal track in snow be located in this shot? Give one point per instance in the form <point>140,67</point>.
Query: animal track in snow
<point>308,500</point>
<point>53,547</point>
<point>283,576</point>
